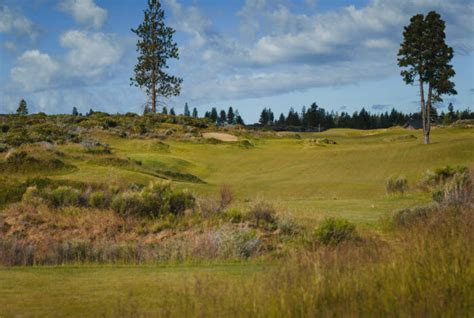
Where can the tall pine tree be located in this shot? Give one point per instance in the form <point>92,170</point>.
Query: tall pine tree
<point>155,46</point>
<point>425,57</point>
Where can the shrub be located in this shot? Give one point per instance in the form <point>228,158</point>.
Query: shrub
<point>441,175</point>
<point>128,203</point>
<point>99,200</point>
<point>180,202</point>
<point>408,217</point>
<point>334,231</point>
<point>226,196</point>
<point>63,196</point>
<point>287,226</point>
<point>396,185</point>
<point>262,212</point>
<point>456,191</point>
<point>234,215</point>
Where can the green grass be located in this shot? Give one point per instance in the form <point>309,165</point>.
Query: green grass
<point>346,179</point>
<point>83,291</point>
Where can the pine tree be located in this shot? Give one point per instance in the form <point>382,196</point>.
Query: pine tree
<point>186,110</point>
<point>238,118</point>
<point>155,46</point>
<point>195,113</point>
<point>214,115</point>
<point>22,108</point>
<point>74,111</point>
<point>172,112</point>
<point>230,116</point>
<point>165,110</point>
<point>425,58</point>
<point>222,118</point>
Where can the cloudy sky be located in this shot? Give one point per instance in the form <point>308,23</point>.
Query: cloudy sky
<point>248,54</point>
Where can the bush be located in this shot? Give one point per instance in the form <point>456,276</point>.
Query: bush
<point>234,215</point>
<point>180,202</point>
<point>334,231</point>
<point>262,212</point>
<point>128,203</point>
<point>226,196</point>
<point>408,217</point>
<point>63,196</point>
<point>99,200</point>
<point>442,175</point>
<point>396,185</point>
<point>456,191</point>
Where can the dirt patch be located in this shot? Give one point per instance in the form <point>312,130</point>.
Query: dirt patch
<point>220,136</point>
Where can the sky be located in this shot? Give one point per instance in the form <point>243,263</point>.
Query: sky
<point>249,54</point>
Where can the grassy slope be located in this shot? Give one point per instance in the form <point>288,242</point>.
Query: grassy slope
<point>307,181</point>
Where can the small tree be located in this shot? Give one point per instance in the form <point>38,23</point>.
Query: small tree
<point>172,112</point>
<point>425,58</point>
<point>195,113</point>
<point>155,46</point>
<point>74,111</point>
<point>165,110</point>
<point>22,109</point>
<point>214,115</point>
<point>186,110</point>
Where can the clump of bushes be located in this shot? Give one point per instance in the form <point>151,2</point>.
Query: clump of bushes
<point>407,217</point>
<point>153,201</point>
<point>262,212</point>
<point>456,191</point>
<point>442,175</point>
<point>333,231</point>
<point>396,185</point>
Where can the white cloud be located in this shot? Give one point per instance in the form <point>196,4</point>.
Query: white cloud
<point>34,71</point>
<point>12,21</point>
<point>85,12</point>
<point>90,54</point>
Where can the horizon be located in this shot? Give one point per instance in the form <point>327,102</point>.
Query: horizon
<point>248,55</point>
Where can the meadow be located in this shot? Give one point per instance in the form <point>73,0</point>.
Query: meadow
<point>220,261</point>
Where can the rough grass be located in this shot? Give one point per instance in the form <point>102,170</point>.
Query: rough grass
<point>424,270</point>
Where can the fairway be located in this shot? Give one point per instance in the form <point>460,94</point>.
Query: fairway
<point>304,179</point>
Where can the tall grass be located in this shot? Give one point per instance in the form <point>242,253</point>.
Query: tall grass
<point>427,270</point>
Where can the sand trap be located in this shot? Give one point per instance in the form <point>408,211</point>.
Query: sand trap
<point>220,136</point>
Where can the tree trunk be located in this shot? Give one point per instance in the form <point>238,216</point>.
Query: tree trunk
<point>153,91</point>
<point>423,113</point>
<point>428,115</point>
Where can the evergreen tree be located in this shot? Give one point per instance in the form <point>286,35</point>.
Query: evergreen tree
<point>281,120</point>
<point>91,111</point>
<point>22,108</point>
<point>195,113</point>
<point>230,116</point>
<point>263,117</point>
<point>222,118</point>
<point>155,46</point>
<point>238,118</point>
<point>74,111</point>
<point>165,110</point>
<point>214,115</point>
<point>425,57</point>
<point>172,112</point>
<point>186,110</point>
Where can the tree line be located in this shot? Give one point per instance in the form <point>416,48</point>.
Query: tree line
<point>317,118</point>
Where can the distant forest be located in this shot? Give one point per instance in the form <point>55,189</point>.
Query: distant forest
<point>315,118</point>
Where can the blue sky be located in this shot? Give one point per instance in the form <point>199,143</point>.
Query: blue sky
<point>247,54</point>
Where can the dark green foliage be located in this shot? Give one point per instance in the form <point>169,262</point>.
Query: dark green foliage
<point>425,57</point>
<point>155,46</point>
<point>442,175</point>
<point>11,190</point>
<point>74,111</point>
<point>195,113</point>
<point>186,110</point>
<point>334,231</point>
<point>22,109</point>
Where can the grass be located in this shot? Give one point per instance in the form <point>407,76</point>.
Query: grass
<point>346,179</point>
<point>79,291</point>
